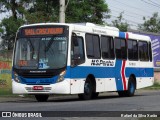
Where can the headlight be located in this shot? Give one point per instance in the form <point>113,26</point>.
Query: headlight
<point>16,78</point>
<point>61,76</point>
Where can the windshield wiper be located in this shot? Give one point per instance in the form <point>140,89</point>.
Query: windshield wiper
<point>31,45</point>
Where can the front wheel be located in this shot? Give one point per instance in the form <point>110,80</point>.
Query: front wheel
<point>41,98</point>
<point>88,90</point>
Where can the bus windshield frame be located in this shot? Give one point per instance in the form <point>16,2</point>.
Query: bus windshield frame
<point>41,49</point>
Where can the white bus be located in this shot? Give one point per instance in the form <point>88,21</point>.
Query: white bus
<point>84,59</point>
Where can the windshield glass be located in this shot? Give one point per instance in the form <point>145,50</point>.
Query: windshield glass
<point>47,52</point>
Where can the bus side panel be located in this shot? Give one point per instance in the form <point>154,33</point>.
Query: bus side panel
<point>77,86</point>
<point>110,84</point>
<point>107,78</point>
<point>143,74</point>
<point>144,82</point>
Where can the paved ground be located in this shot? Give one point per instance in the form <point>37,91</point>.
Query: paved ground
<point>142,101</point>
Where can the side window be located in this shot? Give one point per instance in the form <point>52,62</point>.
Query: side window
<point>143,51</point>
<point>107,47</point>
<point>132,50</point>
<point>120,48</point>
<point>93,46</point>
<point>150,51</point>
<point>77,51</point>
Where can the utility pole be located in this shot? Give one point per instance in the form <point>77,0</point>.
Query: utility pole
<point>62,11</point>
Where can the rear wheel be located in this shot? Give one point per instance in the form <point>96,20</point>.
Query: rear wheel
<point>131,89</point>
<point>88,90</point>
<point>95,95</point>
<point>41,98</point>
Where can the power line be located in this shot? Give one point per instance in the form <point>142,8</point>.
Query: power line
<point>129,11</point>
<point>133,7</point>
<point>128,14</point>
<point>155,5</point>
<point>127,20</point>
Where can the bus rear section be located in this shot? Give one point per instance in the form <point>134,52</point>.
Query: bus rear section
<point>114,61</point>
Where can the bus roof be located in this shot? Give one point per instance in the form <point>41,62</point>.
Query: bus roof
<point>74,24</point>
<point>138,37</point>
<point>97,29</point>
<point>84,27</point>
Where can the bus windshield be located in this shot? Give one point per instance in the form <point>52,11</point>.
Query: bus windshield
<point>41,52</point>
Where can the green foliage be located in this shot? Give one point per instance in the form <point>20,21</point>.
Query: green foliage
<point>43,11</point>
<point>9,26</point>
<point>152,24</point>
<point>87,11</point>
<point>123,26</point>
<point>40,11</point>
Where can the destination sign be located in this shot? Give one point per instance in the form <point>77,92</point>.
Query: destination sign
<point>43,31</point>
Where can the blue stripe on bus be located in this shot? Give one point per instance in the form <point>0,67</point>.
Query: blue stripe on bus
<point>39,81</point>
<point>106,72</point>
<point>122,34</point>
<point>118,78</point>
<point>98,72</point>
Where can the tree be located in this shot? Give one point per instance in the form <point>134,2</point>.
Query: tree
<point>77,11</point>
<point>9,26</point>
<point>151,25</point>
<point>43,11</point>
<point>87,11</point>
<point>38,11</point>
<point>120,23</point>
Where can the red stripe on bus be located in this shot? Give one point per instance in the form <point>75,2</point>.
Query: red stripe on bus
<point>123,74</point>
<point>127,36</point>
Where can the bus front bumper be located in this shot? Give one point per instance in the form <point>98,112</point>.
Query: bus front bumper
<point>57,88</point>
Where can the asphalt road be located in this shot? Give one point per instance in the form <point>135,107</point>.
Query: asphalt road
<point>142,101</point>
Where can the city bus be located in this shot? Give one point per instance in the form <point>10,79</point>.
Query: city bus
<point>83,59</point>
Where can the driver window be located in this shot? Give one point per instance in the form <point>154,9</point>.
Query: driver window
<point>77,51</point>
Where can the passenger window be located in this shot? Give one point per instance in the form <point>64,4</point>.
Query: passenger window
<point>150,51</point>
<point>93,46</point>
<point>143,51</point>
<point>132,50</point>
<point>77,51</point>
<point>120,48</point>
<point>107,47</point>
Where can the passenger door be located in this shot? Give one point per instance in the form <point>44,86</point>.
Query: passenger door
<point>77,58</point>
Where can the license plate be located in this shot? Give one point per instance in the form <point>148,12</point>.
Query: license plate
<point>37,87</point>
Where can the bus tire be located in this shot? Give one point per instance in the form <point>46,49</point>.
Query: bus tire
<point>88,90</point>
<point>95,95</point>
<point>131,89</point>
<point>121,93</point>
<point>41,98</point>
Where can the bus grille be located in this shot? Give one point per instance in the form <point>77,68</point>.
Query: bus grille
<point>37,75</point>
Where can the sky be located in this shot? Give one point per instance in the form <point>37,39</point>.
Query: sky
<point>134,10</point>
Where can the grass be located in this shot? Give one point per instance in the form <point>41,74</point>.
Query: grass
<point>155,86</point>
<point>5,92</point>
